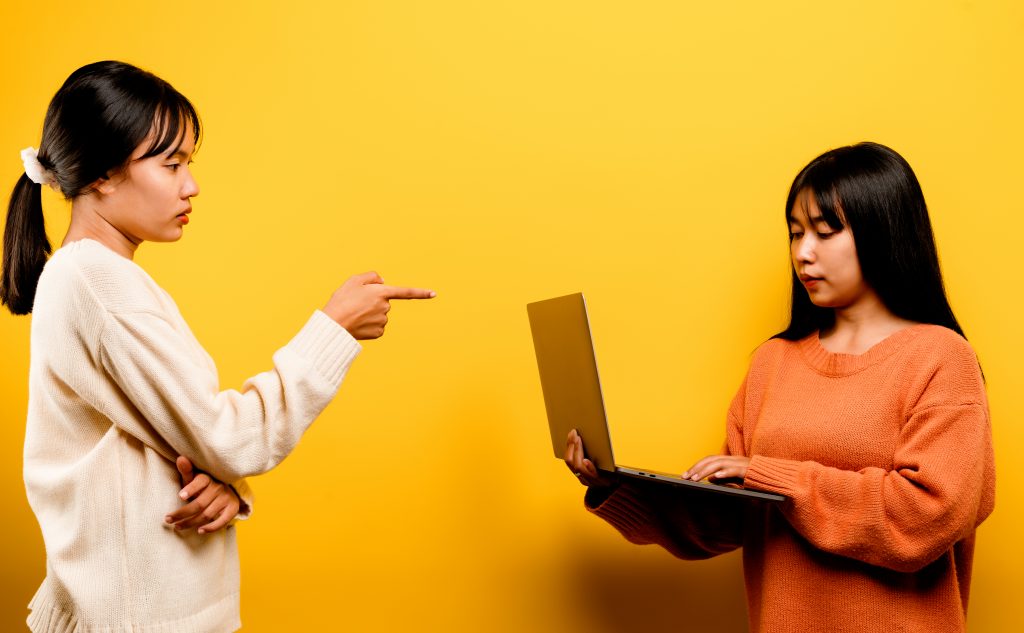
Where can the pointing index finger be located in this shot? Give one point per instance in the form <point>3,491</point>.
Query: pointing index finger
<point>400,292</point>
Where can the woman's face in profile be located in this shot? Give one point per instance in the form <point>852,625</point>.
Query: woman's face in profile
<point>150,198</point>
<point>825,259</point>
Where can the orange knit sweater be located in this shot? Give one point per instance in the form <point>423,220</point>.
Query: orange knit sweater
<point>887,461</point>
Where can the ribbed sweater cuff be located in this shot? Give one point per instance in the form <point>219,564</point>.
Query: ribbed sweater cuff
<point>327,345</point>
<point>770,474</point>
<point>622,508</point>
<point>246,499</point>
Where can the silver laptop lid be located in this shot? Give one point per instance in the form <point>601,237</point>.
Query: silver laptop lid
<point>568,376</point>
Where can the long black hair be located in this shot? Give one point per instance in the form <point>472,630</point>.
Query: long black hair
<point>94,122</point>
<point>872,190</point>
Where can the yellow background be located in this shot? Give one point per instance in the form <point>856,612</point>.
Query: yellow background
<point>502,152</point>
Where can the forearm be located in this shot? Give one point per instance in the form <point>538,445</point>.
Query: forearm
<point>229,434</point>
<point>689,525</point>
<point>897,519</point>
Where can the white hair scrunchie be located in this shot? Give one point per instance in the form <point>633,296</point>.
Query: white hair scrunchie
<point>35,170</point>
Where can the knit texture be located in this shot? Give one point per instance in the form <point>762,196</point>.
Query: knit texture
<point>118,388</point>
<point>887,460</point>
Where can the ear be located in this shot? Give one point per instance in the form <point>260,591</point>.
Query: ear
<point>103,185</point>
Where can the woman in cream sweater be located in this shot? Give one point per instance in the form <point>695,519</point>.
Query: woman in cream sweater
<point>120,389</point>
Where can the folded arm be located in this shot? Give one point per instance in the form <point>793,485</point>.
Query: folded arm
<point>229,434</point>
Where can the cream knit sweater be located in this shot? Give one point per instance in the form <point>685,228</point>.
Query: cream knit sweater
<point>119,387</point>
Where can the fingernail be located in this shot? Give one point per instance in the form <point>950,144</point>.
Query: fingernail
<point>168,519</point>
<point>183,494</point>
<point>202,531</point>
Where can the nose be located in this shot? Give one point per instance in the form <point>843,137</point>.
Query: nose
<point>190,188</point>
<point>803,251</point>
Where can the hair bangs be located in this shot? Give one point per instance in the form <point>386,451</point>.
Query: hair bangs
<point>170,125</point>
<point>831,207</point>
<point>820,179</point>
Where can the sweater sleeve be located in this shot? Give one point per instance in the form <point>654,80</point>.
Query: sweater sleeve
<point>939,489</point>
<point>246,499</point>
<point>229,434</point>
<point>691,525</point>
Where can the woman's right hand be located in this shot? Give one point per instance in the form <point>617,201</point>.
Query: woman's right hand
<point>213,505</point>
<point>584,469</point>
<point>362,303</point>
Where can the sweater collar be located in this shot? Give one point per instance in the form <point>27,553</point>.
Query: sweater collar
<point>835,364</point>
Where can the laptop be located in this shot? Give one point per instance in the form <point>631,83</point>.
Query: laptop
<point>572,392</point>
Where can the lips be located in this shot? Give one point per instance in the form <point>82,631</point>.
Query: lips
<point>809,280</point>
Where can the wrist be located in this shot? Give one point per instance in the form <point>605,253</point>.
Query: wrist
<point>597,495</point>
<point>243,507</point>
<point>336,315</point>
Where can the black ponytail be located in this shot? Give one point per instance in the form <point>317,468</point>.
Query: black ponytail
<point>101,114</point>
<point>26,247</point>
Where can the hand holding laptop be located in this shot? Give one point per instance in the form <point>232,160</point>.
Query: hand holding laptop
<point>583,468</point>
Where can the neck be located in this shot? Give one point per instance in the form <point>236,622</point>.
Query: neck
<point>87,221</point>
<point>861,325</point>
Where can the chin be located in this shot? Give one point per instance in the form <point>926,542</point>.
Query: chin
<point>171,236</point>
<point>833,303</point>
<point>826,302</point>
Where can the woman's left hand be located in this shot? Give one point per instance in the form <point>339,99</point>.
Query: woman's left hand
<point>214,504</point>
<point>719,467</point>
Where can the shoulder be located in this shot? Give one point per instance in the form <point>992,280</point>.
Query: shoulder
<point>933,347</point>
<point>88,274</point>
<point>774,351</point>
<point>771,358</point>
<point>939,341</point>
<point>943,365</point>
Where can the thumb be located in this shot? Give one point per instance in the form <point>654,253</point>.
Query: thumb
<point>370,277</point>
<point>185,468</point>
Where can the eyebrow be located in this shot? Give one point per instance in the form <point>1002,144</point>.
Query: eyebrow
<point>818,219</point>
<point>179,154</point>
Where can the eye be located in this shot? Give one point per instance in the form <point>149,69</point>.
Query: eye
<point>795,235</point>
<point>173,166</point>
<point>827,234</point>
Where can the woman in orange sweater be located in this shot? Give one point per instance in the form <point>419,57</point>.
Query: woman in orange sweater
<point>868,412</point>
